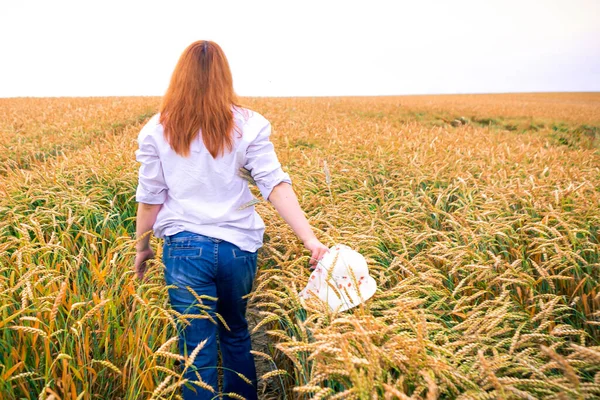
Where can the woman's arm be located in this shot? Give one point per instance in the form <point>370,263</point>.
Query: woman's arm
<point>286,203</point>
<point>146,217</point>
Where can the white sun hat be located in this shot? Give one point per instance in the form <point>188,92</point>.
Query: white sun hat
<point>341,279</point>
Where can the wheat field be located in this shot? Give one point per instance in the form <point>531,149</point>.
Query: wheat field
<point>479,216</point>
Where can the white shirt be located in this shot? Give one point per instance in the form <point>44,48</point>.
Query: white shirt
<point>204,195</point>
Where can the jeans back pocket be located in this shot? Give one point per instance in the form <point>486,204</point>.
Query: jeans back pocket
<point>187,252</point>
<point>239,253</point>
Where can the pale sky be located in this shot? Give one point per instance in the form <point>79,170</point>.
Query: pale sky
<point>302,48</point>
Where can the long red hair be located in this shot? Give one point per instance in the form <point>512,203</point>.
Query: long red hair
<point>199,100</point>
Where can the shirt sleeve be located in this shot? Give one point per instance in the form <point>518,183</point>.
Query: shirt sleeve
<point>152,188</point>
<point>263,164</point>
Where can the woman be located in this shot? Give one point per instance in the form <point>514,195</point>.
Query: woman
<point>190,193</point>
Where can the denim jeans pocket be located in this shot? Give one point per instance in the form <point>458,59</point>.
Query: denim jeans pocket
<point>239,253</point>
<point>187,252</point>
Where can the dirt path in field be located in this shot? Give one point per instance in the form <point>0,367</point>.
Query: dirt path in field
<point>270,389</point>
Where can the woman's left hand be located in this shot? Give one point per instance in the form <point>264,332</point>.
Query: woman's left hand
<point>317,250</point>
<point>141,258</point>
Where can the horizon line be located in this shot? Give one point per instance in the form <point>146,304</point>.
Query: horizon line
<point>321,96</point>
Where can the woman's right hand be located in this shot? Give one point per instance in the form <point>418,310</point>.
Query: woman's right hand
<point>141,260</point>
<point>317,250</point>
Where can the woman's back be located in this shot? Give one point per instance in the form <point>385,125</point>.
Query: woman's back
<point>207,195</point>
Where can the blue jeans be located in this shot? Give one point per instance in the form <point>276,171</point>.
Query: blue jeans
<point>212,276</point>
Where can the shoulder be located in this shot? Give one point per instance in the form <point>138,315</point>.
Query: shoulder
<point>246,116</point>
<point>250,122</point>
<point>152,130</point>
